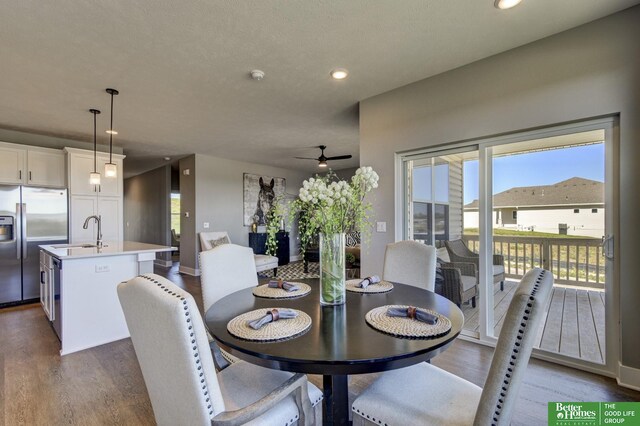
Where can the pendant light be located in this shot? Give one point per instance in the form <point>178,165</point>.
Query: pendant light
<point>110,169</point>
<point>94,177</point>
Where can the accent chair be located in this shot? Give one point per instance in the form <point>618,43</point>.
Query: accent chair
<point>263,262</point>
<point>459,252</point>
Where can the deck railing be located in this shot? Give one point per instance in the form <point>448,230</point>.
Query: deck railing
<point>574,261</point>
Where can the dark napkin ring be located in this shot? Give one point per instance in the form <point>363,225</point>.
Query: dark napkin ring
<point>275,315</point>
<point>411,312</point>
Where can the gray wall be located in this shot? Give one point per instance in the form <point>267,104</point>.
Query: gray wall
<point>589,71</point>
<point>346,174</point>
<point>219,194</point>
<point>147,208</point>
<point>188,243</point>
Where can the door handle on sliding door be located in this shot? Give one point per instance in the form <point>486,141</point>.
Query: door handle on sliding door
<point>607,247</point>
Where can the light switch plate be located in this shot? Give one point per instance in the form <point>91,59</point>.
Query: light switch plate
<point>102,268</point>
<point>381,226</point>
<point>205,225</point>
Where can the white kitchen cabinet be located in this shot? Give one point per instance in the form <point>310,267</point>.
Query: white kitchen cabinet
<point>46,285</point>
<point>79,168</point>
<point>12,164</point>
<point>31,166</point>
<point>46,168</point>
<point>81,207</point>
<point>109,209</point>
<point>81,163</point>
<point>105,200</point>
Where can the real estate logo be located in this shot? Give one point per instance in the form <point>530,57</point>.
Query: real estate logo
<point>585,413</point>
<point>594,413</point>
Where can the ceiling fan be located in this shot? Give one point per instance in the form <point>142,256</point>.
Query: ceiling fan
<point>322,160</point>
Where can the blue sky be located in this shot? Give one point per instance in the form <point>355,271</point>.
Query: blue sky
<point>538,168</point>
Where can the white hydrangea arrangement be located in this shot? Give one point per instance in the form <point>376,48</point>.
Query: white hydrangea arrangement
<point>329,205</point>
<point>337,206</point>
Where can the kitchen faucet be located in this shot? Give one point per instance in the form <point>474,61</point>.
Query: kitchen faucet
<point>98,220</point>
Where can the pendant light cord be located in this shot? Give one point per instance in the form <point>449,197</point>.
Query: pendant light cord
<point>111,133</point>
<point>95,166</point>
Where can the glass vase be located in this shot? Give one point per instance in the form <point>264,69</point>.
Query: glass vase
<point>332,272</point>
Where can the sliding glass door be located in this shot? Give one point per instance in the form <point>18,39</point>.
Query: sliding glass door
<point>534,199</point>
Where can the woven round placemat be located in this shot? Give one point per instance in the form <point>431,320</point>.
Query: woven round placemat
<point>278,330</point>
<point>381,287</point>
<point>406,327</point>
<point>279,293</point>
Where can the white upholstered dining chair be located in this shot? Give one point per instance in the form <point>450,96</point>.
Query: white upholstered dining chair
<point>225,269</point>
<point>263,262</point>
<point>425,394</point>
<point>171,346</point>
<point>410,262</point>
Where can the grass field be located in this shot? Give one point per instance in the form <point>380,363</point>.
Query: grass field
<point>515,233</point>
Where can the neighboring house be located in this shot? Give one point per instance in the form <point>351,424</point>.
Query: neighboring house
<point>573,207</point>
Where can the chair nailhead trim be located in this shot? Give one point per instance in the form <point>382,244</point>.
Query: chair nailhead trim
<point>368,417</point>
<point>196,354</point>
<point>515,350</point>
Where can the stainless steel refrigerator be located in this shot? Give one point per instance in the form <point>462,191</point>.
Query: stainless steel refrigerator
<point>29,217</point>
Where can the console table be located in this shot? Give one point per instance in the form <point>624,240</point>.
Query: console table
<point>258,242</point>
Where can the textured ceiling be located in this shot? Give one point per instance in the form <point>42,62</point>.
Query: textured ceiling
<point>182,67</point>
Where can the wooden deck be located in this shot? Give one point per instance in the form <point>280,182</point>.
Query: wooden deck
<point>574,326</point>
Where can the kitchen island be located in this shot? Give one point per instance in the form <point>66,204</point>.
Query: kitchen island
<point>78,289</point>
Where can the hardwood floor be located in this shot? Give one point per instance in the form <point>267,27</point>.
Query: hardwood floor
<point>104,385</point>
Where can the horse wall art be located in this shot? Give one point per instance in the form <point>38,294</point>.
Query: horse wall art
<point>259,193</point>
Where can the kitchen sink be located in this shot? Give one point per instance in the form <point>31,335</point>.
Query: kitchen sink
<point>71,246</point>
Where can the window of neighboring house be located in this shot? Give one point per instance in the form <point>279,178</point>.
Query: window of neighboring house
<point>430,198</point>
<point>441,222</point>
<point>514,214</point>
<point>576,210</point>
<point>594,210</point>
<point>421,221</point>
<point>175,212</point>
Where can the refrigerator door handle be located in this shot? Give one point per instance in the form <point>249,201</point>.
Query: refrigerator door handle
<point>23,218</point>
<point>18,233</point>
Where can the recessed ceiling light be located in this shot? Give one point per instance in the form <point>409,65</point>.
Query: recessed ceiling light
<point>167,158</point>
<point>506,4</point>
<point>257,75</point>
<point>339,73</point>
<point>111,132</point>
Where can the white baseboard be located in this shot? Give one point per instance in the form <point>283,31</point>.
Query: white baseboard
<point>163,263</point>
<point>189,271</point>
<point>629,377</point>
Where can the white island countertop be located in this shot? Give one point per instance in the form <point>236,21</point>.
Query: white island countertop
<point>80,295</point>
<point>110,248</point>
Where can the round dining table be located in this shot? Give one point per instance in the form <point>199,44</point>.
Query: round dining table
<point>339,343</point>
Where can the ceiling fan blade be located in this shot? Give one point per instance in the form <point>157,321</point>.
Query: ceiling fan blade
<point>339,157</point>
<point>306,158</point>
